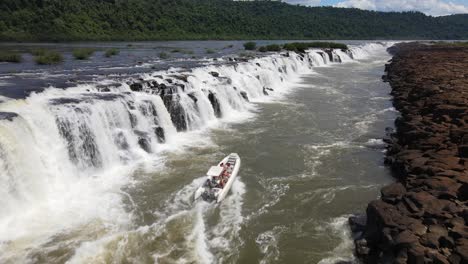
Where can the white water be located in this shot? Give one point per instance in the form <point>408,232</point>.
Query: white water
<point>66,157</point>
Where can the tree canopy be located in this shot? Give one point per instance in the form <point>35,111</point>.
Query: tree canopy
<point>72,20</point>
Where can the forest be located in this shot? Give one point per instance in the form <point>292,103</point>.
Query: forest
<point>108,20</point>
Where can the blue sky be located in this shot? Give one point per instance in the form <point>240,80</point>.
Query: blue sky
<point>429,7</point>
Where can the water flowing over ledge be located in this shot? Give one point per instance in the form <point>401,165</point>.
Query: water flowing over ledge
<point>65,154</point>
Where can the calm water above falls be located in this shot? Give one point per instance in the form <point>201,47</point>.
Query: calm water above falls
<point>311,157</point>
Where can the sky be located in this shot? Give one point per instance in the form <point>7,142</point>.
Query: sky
<point>429,7</point>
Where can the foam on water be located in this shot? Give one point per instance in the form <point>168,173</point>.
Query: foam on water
<point>66,155</point>
<point>268,244</point>
<point>344,251</point>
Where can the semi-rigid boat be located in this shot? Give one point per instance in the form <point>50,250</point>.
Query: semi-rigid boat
<point>219,179</point>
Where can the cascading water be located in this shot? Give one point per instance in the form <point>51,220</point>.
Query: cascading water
<point>66,154</point>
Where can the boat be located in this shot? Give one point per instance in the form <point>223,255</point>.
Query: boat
<point>219,179</point>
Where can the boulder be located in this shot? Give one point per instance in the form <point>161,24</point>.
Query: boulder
<point>214,74</point>
<point>136,87</point>
<point>357,223</point>
<point>393,192</point>
<point>405,239</point>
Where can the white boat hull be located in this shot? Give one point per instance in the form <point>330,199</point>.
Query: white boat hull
<point>218,194</point>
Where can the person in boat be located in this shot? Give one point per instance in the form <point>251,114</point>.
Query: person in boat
<point>226,170</point>
<point>221,183</point>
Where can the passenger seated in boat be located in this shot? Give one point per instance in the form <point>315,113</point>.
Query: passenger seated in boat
<point>226,170</point>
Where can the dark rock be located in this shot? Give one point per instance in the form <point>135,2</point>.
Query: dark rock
<point>182,77</point>
<point>357,223</point>
<point>454,259</point>
<point>393,192</point>
<point>405,239</point>
<point>423,218</point>
<point>462,250</point>
<point>172,102</point>
<point>8,116</point>
<point>361,247</point>
<point>245,96</point>
<point>437,258</point>
<point>463,151</point>
<point>215,104</point>
<point>214,74</point>
<point>136,87</point>
<point>193,97</point>
<point>143,141</point>
<point>159,132</point>
<point>416,254</point>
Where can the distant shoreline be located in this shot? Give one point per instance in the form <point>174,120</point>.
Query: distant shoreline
<point>156,20</point>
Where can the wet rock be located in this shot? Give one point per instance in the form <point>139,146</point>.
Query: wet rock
<point>245,96</point>
<point>214,74</point>
<point>136,87</point>
<point>357,223</point>
<point>172,102</point>
<point>143,141</point>
<point>159,132</point>
<point>193,97</point>
<point>215,104</point>
<point>182,77</point>
<point>361,247</point>
<point>8,116</point>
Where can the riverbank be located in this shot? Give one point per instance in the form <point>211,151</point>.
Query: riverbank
<point>422,218</point>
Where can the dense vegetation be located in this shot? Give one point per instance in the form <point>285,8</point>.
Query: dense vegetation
<point>83,53</point>
<point>48,57</point>
<point>296,46</point>
<point>41,20</point>
<point>302,46</point>
<point>10,57</point>
<point>111,52</point>
<point>250,45</point>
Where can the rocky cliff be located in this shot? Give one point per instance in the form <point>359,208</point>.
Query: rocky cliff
<point>422,218</point>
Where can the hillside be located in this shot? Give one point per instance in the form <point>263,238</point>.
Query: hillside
<point>55,20</point>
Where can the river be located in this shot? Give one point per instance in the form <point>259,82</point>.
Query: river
<point>85,181</point>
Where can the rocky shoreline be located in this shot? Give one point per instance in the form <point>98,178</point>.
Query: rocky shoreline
<point>423,217</point>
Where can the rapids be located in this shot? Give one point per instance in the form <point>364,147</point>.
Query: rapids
<point>72,161</point>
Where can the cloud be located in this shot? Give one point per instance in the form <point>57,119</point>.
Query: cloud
<point>304,2</point>
<point>429,7</point>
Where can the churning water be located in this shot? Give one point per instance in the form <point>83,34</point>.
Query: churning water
<point>98,173</point>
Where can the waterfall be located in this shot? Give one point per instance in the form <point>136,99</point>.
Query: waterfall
<point>66,153</point>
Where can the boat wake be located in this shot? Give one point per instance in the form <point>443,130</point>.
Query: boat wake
<point>66,156</point>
